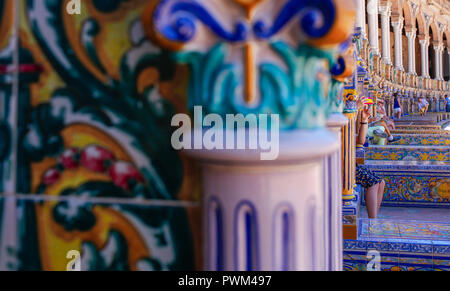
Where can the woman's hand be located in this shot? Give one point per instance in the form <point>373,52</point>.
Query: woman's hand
<point>365,114</point>
<point>360,102</point>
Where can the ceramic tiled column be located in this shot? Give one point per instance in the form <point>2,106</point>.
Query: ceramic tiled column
<point>343,72</point>
<point>335,123</point>
<point>349,153</point>
<point>389,105</point>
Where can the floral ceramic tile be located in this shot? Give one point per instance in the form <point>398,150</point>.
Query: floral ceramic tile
<point>383,228</point>
<point>117,237</point>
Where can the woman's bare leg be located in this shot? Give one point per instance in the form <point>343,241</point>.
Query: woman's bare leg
<point>381,187</point>
<point>372,201</point>
<point>386,127</point>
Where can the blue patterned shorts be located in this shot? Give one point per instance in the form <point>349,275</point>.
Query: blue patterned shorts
<point>366,178</point>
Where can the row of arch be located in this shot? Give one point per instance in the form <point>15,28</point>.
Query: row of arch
<point>422,23</point>
<point>425,22</point>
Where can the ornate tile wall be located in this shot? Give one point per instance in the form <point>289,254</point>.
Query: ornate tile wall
<point>96,101</point>
<point>418,127</point>
<point>423,140</point>
<point>406,153</point>
<point>421,186</point>
<point>397,256</point>
<point>120,237</point>
<point>404,230</point>
<point>408,131</point>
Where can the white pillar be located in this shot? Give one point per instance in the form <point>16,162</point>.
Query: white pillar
<point>411,34</point>
<point>424,44</point>
<point>361,16</point>
<point>441,62</point>
<point>385,12</point>
<point>397,24</point>
<point>372,11</point>
<point>448,52</point>
<point>437,61</point>
<point>257,218</point>
<point>335,123</point>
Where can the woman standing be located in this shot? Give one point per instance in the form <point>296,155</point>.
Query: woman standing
<point>398,110</point>
<point>374,184</point>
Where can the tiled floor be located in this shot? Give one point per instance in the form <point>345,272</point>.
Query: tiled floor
<point>414,214</point>
<point>407,224</point>
<point>404,230</point>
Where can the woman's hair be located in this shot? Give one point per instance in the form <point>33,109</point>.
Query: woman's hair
<point>395,95</point>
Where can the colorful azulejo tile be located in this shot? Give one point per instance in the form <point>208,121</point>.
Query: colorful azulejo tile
<point>422,132</point>
<point>404,230</point>
<point>424,185</point>
<point>408,153</point>
<point>397,255</point>
<point>109,237</point>
<point>441,263</point>
<point>441,255</point>
<point>423,140</point>
<point>378,229</point>
<point>354,266</point>
<point>415,261</point>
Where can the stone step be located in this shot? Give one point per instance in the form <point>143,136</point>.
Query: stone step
<point>408,153</point>
<point>430,118</point>
<point>422,132</point>
<point>418,127</point>
<point>422,140</point>
<point>417,123</point>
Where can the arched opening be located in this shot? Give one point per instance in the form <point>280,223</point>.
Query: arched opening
<point>367,22</point>
<point>405,49</point>
<point>405,12</point>
<point>431,56</point>
<point>418,55</point>
<point>446,61</point>
<point>392,42</point>
<point>380,34</point>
